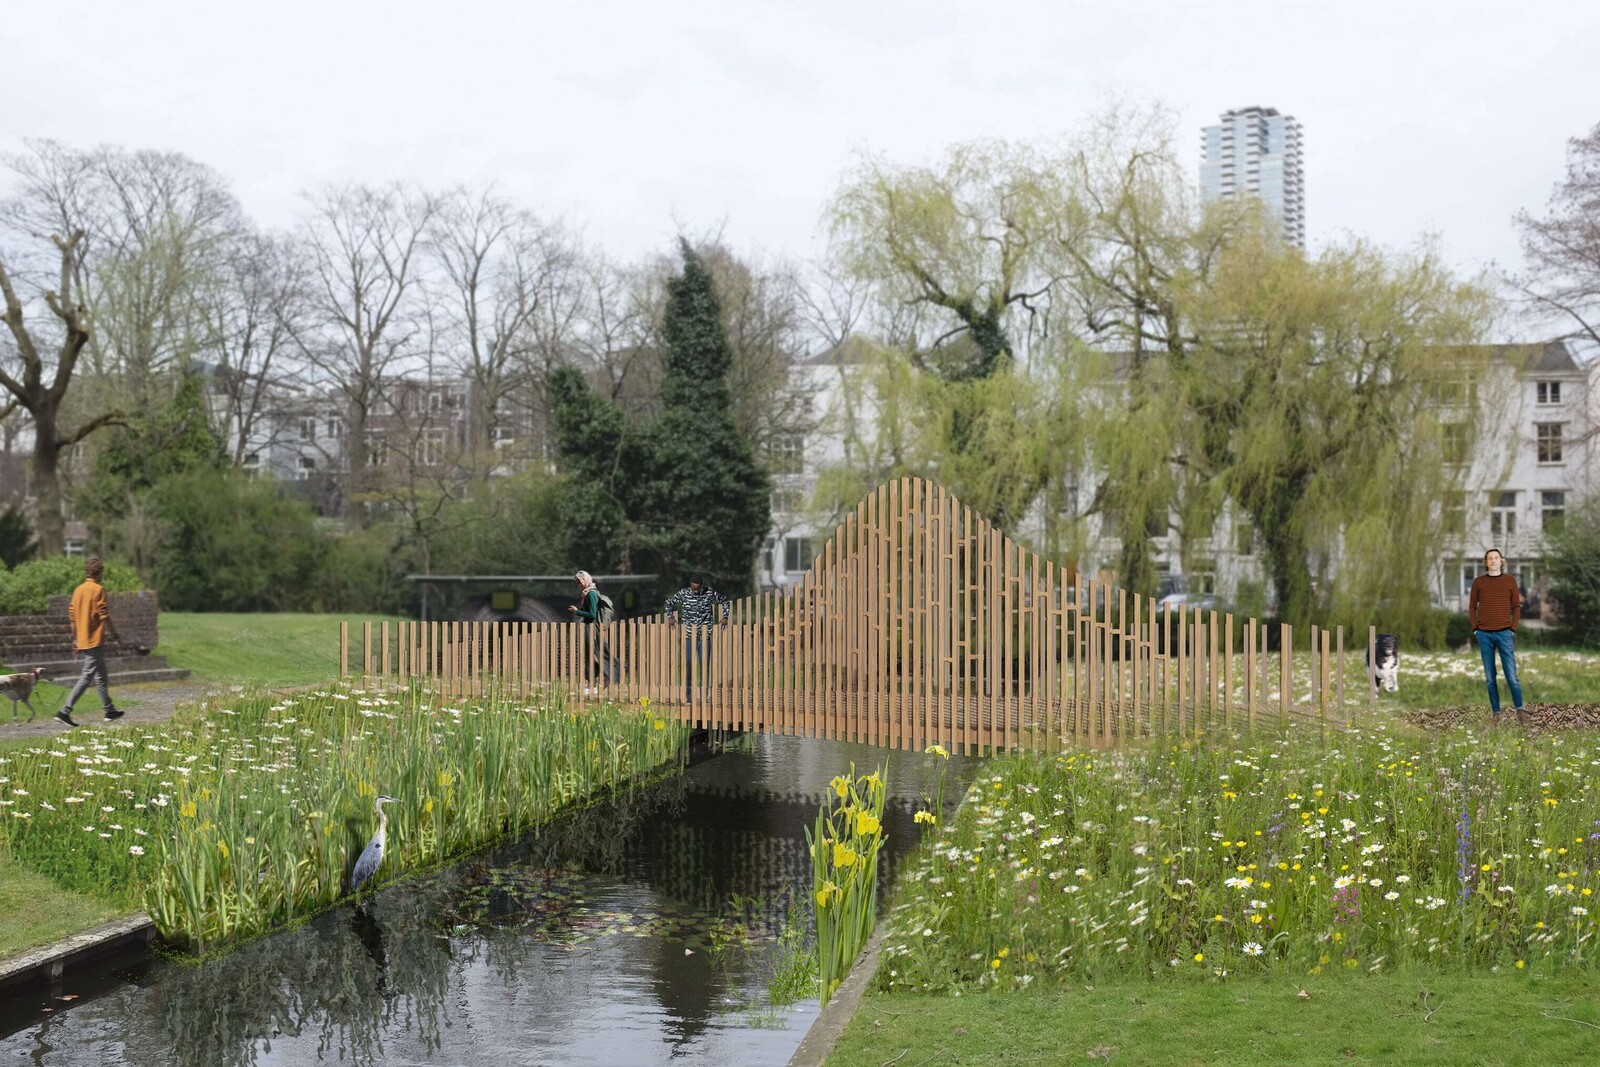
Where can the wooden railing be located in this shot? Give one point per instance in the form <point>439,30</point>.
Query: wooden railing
<point>918,624</point>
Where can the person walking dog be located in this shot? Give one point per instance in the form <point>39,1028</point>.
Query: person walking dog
<point>90,617</point>
<point>1494,609</point>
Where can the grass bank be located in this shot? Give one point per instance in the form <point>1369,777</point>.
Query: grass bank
<point>278,651</point>
<point>1412,1018</point>
<point>35,911</point>
<point>225,822</point>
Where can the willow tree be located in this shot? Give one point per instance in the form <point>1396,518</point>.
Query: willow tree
<point>962,254</point>
<point>1311,389</point>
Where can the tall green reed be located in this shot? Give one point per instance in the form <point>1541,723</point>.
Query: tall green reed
<point>252,815</point>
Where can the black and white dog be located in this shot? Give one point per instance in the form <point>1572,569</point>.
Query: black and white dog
<point>1386,669</point>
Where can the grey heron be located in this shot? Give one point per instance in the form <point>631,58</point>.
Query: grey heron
<point>372,855</point>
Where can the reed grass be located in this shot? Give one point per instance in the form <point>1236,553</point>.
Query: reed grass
<point>844,848</point>
<point>251,813</point>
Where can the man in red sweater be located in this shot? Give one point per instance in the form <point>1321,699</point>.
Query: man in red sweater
<point>1493,609</point>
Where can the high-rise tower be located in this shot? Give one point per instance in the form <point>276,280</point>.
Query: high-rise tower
<point>1255,151</point>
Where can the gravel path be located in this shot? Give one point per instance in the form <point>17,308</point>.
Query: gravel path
<point>148,703</point>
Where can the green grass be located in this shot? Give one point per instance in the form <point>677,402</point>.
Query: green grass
<point>1407,1018</point>
<point>277,651</point>
<point>35,911</point>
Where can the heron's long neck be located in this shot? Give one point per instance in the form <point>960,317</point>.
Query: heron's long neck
<point>383,825</point>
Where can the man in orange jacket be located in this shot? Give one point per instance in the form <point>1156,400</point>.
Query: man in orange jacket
<point>91,625</point>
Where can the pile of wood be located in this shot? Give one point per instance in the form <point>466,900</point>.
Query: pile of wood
<point>1545,716</point>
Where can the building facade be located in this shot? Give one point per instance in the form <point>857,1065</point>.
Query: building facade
<point>1256,151</point>
<point>1536,459</point>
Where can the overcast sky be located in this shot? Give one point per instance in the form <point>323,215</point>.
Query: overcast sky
<point>631,119</point>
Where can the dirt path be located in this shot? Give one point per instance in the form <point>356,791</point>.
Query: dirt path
<point>141,704</point>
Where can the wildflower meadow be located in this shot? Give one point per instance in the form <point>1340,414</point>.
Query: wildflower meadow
<point>249,815</point>
<point>1362,850</point>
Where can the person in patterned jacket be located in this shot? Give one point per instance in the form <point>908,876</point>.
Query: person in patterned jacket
<point>696,607</point>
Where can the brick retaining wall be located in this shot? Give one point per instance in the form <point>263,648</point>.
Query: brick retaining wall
<point>26,638</point>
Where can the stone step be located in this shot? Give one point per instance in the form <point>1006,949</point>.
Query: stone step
<point>57,668</point>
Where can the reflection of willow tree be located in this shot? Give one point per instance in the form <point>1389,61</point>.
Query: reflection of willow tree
<point>342,981</point>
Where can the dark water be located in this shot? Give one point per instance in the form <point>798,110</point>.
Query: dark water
<point>636,932</point>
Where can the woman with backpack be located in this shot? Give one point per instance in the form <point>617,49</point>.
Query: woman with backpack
<point>595,609</point>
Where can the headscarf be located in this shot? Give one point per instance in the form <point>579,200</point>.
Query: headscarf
<point>586,581</point>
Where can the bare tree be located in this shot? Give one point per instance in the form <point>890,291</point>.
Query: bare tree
<point>39,378</point>
<point>255,315</point>
<point>368,298</point>
<point>1563,247</point>
<point>157,227</point>
<point>500,267</point>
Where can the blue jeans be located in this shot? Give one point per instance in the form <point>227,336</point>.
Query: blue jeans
<point>696,659</point>
<point>1490,642</point>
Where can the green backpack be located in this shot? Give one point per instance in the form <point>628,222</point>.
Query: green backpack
<point>607,611</point>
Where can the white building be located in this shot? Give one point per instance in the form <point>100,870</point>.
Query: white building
<point>1255,151</point>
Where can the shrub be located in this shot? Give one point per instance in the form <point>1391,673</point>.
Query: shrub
<point>1573,565</point>
<point>28,589</point>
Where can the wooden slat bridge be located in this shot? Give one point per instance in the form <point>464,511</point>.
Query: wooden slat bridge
<point>918,624</point>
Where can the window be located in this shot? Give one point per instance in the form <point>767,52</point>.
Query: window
<point>304,467</point>
<point>1203,577</point>
<point>335,429</point>
<point>435,401</point>
<point>1244,537</point>
<point>1553,510</point>
<point>1455,513</point>
<point>1467,571</point>
<point>251,464</point>
<point>786,501</point>
<point>1459,390</point>
<point>72,546</point>
<point>788,454</point>
<point>431,453</point>
<point>796,553</point>
<point>1455,442</point>
<point>1548,392</point>
<point>308,429</point>
<point>1502,514</point>
<point>375,449</point>
<point>1548,437</point>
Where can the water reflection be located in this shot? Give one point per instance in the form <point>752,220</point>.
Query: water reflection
<point>602,940</point>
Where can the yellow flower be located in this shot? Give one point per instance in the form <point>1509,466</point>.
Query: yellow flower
<point>187,810</point>
<point>1256,919</point>
<point>1003,953</point>
<point>937,750</point>
<point>644,702</point>
<point>828,892</point>
<point>843,855</point>
<point>1199,957</point>
<point>1520,965</point>
<point>994,965</point>
<point>866,823</point>
<point>427,806</point>
<point>926,816</point>
<point>661,724</point>
<point>840,786</point>
<point>222,847</point>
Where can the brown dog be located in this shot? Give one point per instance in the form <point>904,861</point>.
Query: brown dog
<point>20,687</point>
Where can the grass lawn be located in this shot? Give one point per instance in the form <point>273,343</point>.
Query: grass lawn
<point>1410,1018</point>
<point>257,649</point>
<point>35,911</point>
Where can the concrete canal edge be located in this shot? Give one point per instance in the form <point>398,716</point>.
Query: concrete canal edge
<point>48,964</point>
<point>831,1020</point>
